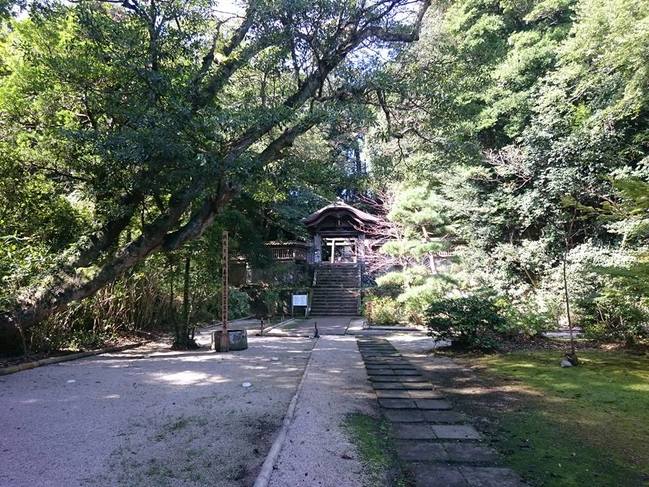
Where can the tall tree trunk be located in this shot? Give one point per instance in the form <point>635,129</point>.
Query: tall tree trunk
<point>185,336</point>
<point>186,295</point>
<point>171,314</point>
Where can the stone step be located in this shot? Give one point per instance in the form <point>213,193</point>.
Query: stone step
<point>337,276</point>
<point>337,284</point>
<point>347,270</point>
<point>320,277</point>
<point>334,301</point>
<point>323,279</point>
<point>338,312</point>
<point>333,307</point>
<point>334,297</point>
<point>337,290</point>
<point>422,451</point>
<point>337,269</point>
<point>343,296</point>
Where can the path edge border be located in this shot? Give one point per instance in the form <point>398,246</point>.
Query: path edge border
<point>263,477</point>
<point>65,358</point>
<point>278,325</point>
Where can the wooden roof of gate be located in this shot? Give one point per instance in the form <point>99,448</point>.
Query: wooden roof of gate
<point>340,209</point>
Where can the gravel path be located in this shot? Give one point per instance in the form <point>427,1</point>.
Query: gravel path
<point>317,451</point>
<point>148,417</point>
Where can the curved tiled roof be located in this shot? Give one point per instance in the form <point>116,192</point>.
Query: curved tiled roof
<point>337,208</point>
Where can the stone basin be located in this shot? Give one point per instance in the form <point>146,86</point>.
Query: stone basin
<point>238,340</point>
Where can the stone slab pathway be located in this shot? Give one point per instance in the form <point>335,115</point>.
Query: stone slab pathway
<point>438,446</point>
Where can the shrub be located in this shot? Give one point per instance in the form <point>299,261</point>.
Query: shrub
<point>615,316</point>
<point>416,299</point>
<point>271,300</point>
<point>87,340</point>
<point>471,322</point>
<point>383,311</point>
<point>391,279</point>
<point>525,317</point>
<point>238,304</point>
<point>264,301</point>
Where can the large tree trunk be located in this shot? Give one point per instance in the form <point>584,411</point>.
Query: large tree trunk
<point>184,338</point>
<point>70,287</point>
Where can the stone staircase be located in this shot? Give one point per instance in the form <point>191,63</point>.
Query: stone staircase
<point>337,290</point>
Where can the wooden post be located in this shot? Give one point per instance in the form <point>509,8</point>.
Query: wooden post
<point>317,248</point>
<point>573,350</point>
<point>225,341</point>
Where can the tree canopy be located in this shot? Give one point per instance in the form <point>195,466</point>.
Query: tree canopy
<point>513,133</point>
<point>147,118</point>
<point>533,115</point>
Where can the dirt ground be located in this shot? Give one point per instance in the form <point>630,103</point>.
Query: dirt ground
<point>148,416</point>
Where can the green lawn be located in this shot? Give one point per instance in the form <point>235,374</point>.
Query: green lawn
<point>586,425</point>
<point>371,437</point>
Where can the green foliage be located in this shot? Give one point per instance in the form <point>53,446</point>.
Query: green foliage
<point>392,279</point>
<point>270,298</point>
<point>139,302</point>
<point>471,322</point>
<point>513,132</point>
<point>615,316</point>
<point>267,301</point>
<point>421,229</point>
<point>526,123</point>
<point>525,318</point>
<point>383,311</point>
<point>129,131</point>
<point>238,304</point>
<point>416,299</point>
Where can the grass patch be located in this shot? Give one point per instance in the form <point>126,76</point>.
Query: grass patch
<point>576,426</point>
<point>371,437</point>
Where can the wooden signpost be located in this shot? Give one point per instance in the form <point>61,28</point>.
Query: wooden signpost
<point>225,341</point>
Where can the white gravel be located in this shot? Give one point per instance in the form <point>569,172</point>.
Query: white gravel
<point>317,451</point>
<point>148,417</point>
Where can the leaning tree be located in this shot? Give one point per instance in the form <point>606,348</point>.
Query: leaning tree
<point>154,114</point>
